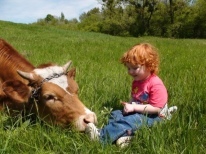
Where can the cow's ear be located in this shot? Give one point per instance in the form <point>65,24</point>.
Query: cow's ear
<point>16,91</point>
<point>72,73</point>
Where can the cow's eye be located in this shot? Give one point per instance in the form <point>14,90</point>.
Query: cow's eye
<point>50,97</point>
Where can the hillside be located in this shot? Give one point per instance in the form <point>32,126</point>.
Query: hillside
<point>103,83</point>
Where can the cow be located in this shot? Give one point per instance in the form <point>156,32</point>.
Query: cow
<point>49,91</point>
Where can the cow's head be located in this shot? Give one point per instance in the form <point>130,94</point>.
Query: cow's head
<point>56,93</point>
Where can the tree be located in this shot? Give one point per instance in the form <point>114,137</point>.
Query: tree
<point>168,18</point>
<point>90,21</point>
<point>144,10</point>
<point>199,19</point>
<point>62,18</point>
<point>49,18</point>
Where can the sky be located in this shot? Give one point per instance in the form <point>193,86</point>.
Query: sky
<point>29,11</point>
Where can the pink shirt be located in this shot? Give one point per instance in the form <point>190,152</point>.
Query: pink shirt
<point>151,91</point>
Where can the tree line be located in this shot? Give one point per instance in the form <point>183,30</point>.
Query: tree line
<point>165,18</point>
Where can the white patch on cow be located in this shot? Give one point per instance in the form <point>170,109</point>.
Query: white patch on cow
<point>60,81</point>
<point>87,111</point>
<point>50,71</point>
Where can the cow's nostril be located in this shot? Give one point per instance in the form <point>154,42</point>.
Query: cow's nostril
<point>86,121</point>
<point>90,118</point>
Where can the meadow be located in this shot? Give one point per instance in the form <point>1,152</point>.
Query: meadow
<point>103,83</point>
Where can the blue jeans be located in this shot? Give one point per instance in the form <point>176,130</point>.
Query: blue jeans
<point>120,125</point>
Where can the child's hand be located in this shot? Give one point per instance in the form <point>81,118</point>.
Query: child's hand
<point>128,108</point>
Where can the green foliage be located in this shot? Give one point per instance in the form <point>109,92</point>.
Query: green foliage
<point>59,22</point>
<point>173,18</point>
<point>199,19</point>
<point>49,18</point>
<point>90,21</point>
<point>103,83</point>
<point>62,18</point>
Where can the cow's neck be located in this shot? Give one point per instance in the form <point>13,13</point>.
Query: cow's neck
<point>11,61</point>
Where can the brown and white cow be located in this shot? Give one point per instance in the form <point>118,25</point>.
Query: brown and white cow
<point>49,91</point>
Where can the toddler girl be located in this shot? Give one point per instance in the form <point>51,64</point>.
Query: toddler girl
<point>148,103</point>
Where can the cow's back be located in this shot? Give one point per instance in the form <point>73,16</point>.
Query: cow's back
<point>10,62</point>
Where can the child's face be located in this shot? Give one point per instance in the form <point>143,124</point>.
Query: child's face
<point>138,72</point>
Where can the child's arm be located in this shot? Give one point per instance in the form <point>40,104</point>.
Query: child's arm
<point>141,108</point>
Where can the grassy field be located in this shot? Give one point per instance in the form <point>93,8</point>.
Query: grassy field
<point>103,83</point>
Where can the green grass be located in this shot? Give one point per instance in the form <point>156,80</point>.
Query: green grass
<point>103,83</point>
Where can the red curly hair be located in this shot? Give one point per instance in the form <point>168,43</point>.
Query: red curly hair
<point>142,54</point>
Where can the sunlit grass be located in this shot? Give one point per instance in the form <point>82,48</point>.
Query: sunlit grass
<point>103,83</point>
